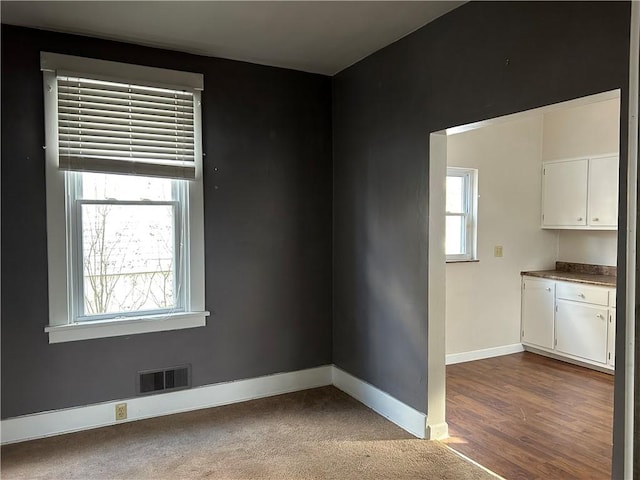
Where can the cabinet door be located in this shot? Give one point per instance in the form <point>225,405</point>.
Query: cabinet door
<point>537,311</point>
<point>611,338</point>
<point>564,193</point>
<point>581,330</point>
<point>603,192</point>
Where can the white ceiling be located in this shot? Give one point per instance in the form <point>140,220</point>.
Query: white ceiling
<point>313,36</point>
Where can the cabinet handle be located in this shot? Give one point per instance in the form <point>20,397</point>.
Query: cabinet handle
<point>581,295</point>
<point>548,289</point>
<point>579,219</point>
<point>596,219</point>
<point>599,315</point>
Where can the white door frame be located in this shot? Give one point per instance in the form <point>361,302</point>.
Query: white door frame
<point>631,260</point>
<point>436,299</point>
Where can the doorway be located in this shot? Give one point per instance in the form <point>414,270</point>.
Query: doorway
<point>438,336</point>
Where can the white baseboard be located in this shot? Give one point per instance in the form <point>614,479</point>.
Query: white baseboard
<point>485,353</point>
<point>381,402</point>
<point>45,424</point>
<point>581,362</point>
<point>56,422</point>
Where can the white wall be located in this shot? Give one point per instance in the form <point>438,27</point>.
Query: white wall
<point>591,129</point>
<point>483,298</point>
<point>587,130</point>
<point>598,248</point>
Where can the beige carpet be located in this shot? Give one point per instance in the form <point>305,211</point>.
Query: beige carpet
<point>314,434</point>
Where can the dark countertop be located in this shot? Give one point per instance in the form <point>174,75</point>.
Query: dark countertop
<point>588,278</point>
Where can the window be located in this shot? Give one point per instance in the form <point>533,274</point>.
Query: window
<point>461,213</point>
<point>124,198</point>
<point>127,258</point>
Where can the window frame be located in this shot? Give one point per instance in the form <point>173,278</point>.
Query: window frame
<point>470,214</point>
<point>75,266</point>
<point>63,326</point>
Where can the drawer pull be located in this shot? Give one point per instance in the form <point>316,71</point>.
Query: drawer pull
<point>596,219</point>
<point>548,289</point>
<point>599,315</point>
<point>579,219</point>
<point>581,295</point>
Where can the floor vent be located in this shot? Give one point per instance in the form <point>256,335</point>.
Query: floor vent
<point>166,380</point>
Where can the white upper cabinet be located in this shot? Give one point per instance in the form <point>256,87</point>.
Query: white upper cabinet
<point>564,187</point>
<point>580,193</point>
<point>603,192</point>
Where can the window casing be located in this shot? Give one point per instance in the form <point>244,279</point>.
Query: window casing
<point>124,198</point>
<point>461,214</point>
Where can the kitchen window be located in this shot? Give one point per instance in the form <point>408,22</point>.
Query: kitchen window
<point>461,214</point>
<point>124,198</point>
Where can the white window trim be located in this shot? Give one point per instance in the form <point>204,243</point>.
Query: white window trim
<point>129,326</point>
<point>60,328</point>
<point>471,225</point>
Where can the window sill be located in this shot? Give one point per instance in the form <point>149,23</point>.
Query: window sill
<point>128,326</point>
<point>464,261</point>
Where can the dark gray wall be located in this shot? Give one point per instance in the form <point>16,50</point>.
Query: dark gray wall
<point>267,226</point>
<point>480,61</point>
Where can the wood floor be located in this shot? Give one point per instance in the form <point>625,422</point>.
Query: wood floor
<point>525,416</point>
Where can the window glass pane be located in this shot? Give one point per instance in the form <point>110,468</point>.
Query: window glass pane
<point>455,194</point>
<point>454,235</point>
<point>128,258</point>
<point>101,186</point>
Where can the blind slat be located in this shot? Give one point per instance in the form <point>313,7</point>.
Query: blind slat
<point>120,88</point>
<point>174,169</point>
<point>126,107</point>
<point>165,116</point>
<point>73,119</point>
<point>124,140</point>
<point>122,97</point>
<point>122,147</point>
<point>123,128</point>
<point>117,128</point>
<point>125,154</point>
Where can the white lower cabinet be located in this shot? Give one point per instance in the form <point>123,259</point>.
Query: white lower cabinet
<point>581,330</point>
<point>538,297</point>
<point>570,320</point>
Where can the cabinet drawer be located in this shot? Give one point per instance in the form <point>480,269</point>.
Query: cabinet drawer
<point>582,293</point>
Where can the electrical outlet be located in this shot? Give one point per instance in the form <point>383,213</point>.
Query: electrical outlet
<point>121,411</point>
<point>497,251</point>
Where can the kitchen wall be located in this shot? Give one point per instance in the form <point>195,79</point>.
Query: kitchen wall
<point>483,298</point>
<point>267,208</point>
<point>592,129</point>
<point>579,246</point>
<point>508,157</point>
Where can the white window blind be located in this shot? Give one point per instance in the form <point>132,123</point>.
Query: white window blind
<point>112,127</point>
